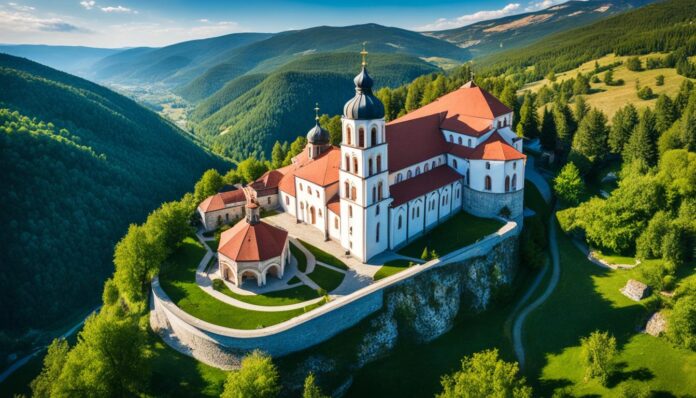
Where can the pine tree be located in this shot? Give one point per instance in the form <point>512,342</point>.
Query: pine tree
<point>529,123</point>
<point>277,155</point>
<point>580,109</point>
<point>565,127</point>
<point>311,390</point>
<point>581,85</point>
<point>622,125</point>
<point>642,146</point>
<point>509,97</point>
<point>415,93</point>
<point>590,141</point>
<point>434,90</point>
<point>688,124</point>
<point>665,114</point>
<point>682,98</point>
<point>548,130</point>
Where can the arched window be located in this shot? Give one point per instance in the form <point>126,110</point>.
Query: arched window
<point>309,189</point>
<point>373,136</point>
<point>451,138</point>
<point>361,137</point>
<point>399,177</point>
<point>302,206</point>
<point>301,187</point>
<point>347,168</point>
<point>413,213</point>
<point>374,194</point>
<point>434,164</point>
<point>426,167</point>
<point>507,183</point>
<point>350,211</point>
<point>458,194</point>
<point>379,190</point>
<point>418,170</point>
<point>346,187</point>
<point>369,167</point>
<point>355,165</point>
<point>468,181</point>
<point>377,233</point>
<point>488,183</point>
<point>454,163</point>
<point>353,193</point>
<point>335,222</point>
<point>379,163</point>
<point>287,200</point>
<point>514,165</point>
<point>488,165</point>
<point>398,224</point>
<point>459,140</point>
<point>469,142</point>
<point>514,182</point>
<point>377,210</point>
<point>409,174</point>
<point>349,138</point>
<point>320,215</point>
<point>417,211</point>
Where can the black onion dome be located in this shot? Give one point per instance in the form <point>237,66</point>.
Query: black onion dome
<point>318,136</point>
<point>364,105</point>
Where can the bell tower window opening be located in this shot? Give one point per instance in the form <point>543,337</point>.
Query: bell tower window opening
<point>349,139</point>
<point>373,136</point>
<point>361,137</point>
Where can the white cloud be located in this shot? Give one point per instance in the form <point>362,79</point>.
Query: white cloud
<point>203,20</point>
<point>23,21</point>
<point>444,23</point>
<point>118,9</point>
<point>20,7</point>
<point>88,4</point>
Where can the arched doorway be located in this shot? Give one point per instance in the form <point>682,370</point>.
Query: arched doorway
<point>248,275</point>
<point>312,215</point>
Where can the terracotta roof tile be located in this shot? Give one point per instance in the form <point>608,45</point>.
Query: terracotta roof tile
<point>220,200</point>
<point>495,148</point>
<point>252,242</point>
<point>415,140</point>
<point>334,204</point>
<point>422,184</point>
<point>323,170</point>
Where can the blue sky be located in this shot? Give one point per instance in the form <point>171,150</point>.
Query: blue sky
<point>129,23</point>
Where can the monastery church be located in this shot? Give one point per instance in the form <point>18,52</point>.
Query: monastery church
<point>389,183</point>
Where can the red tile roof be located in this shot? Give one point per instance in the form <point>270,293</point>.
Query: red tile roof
<point>287,183</point>
<point>220,200</point>
<point>417,136</point>
<point>334,204</point>
<point>252,242</point>
<point>323,170</point>
<point>422,184</point>
<point>495,148</point>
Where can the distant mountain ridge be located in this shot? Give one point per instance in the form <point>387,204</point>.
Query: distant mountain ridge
<point>492,36</point>
<point>77,60</point>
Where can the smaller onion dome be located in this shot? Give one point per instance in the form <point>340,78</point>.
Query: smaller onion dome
<point>317,135</point>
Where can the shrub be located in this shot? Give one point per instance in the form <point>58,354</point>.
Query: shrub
<point>505,212</point>
<point>660,80</point>
<point>634,64</point>
<point>645,93</point>
<point>218,284</point>
<point>425,256</point>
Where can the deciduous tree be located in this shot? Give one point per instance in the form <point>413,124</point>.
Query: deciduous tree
<point>568,184</point>
<point>257,377</point>
<point>598,352</point>
<point>311,390</point>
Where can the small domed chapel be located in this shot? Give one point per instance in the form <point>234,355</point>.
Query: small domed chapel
<point>388,183</point>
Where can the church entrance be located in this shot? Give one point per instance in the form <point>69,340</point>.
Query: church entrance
<point>312,215</point>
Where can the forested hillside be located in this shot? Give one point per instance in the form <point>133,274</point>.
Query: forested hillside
<point>492,36</point>
<point>80,163</point>
<point>240,123</point>
<point>659,27</point>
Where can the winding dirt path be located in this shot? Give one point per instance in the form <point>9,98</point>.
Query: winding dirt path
<point>555,276</point>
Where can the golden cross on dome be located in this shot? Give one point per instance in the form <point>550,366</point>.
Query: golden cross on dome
<point>364,54</point>
<point>316,111</point>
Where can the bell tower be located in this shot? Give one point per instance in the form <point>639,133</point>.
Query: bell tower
<point>363,175</point>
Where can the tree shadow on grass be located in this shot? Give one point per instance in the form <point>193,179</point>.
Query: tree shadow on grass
<point>620,374</point>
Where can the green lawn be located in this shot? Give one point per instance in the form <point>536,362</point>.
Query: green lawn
<point>300,257</point>
<point>327,279</point>
<point>613,258</point>
<point>177,278</point>
<point>534,200</point>
<point>460,230</point>
<point>390,268</point>
<point>323,256</point>
<point>289,296</point>
<point>587,298</point>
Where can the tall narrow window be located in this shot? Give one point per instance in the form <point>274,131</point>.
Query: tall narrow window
<point>418,170</point>
<point>347,168</point>
<point>361,137</point>
<point>379,163</point>
<point>468,181</point>
<point>350,211</point>
<point>353,193</point>
<point>399,177</point>
<point>346,189</point>
<point>399,223</point>
<point>451,138</point>
<point>469,143</point>
<point>287,200</point>
<point>488,183</point>
<point>374,194</point>
<point>488,165</point>
<point>459,140</point>
<point>454,163</point>
<point>349,138</point>
<point>369,167</point>
<point>426,167</point>
<point>409,174</point>
<point>377,233</point>
<point>355,165</point>
<point>377,210</point>
<point>507,183</point>
<point>434,164</point>
<point>373,136</point>
<point>335,222</point>
<point>514,182</point>
<point>379,190</point>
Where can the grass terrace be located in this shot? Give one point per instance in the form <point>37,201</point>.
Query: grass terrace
<point>300,257</point>
<point>392,267</point>
<point>178,279</point>
<point>326,278</point>
<point>323,256</point>
<point>289,296</point>
<point>460,230</point>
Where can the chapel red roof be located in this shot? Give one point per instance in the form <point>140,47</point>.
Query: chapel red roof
<point>287,182</point>
<point>323,170</point>
<point>220,200</point>
<point>252,242</point>
<point>496,148</point>
<point>421,184</point>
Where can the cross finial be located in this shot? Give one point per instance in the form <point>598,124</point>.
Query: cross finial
<point>364,54</point>
<point>316,111</point>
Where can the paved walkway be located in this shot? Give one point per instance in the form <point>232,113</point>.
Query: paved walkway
<point>555,276</point>
<point>205,282</point>
<point>537,179</point>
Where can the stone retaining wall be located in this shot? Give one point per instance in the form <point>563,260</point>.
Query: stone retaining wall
<point>489,204</point>
<point>224,347</point>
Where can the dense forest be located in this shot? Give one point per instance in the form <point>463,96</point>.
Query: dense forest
<point>241,124</point>
<point>659,27</point>
<point>80,163</point>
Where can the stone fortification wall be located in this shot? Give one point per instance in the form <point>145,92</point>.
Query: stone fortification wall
<point>421,301</point>
<point>489,204</point>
